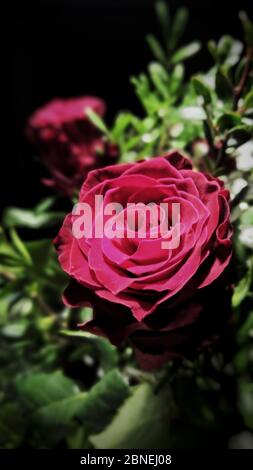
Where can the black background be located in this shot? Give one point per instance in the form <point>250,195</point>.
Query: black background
<point>75,47</point>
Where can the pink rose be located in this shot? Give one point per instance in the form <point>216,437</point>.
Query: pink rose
<point>69,145</point>
<point>135,278</point>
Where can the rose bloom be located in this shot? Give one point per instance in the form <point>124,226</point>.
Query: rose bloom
<point>68,143</point>
<point>159,299</point>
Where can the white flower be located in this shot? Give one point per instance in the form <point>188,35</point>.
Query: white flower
<point>237,186</point>
<point>246,236</point>
<point>193,112</point>
<point>244,159</point>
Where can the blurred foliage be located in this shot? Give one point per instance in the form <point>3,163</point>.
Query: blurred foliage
<point>64,388</point>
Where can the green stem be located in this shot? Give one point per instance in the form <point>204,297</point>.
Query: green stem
<point>238,90</point>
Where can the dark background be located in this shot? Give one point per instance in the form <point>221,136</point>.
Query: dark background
<point>73,47</point>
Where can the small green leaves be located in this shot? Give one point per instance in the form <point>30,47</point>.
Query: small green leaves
<point>242,289</point>
<point>227,52</point>
<point>156,49</point>
<point>247,217</point>
<point>55,404</point>
<point>141,423</point>
<point>202,89</point>
<point>15,330</point>
<point>244,330</point>
<point>16,217</point>
<point>163,15</point>
<point>223,85</point>
<point>246,403</point>
<point>235,51</point>
<point>122,122</point>
<point>172,31</point>
<point>248,100</point>
<point>212,47</point>
<point>37,390</point>
<point>52,401</point>
<point>103,402</point>
<point>185,52</point>
<point>45,204</point>
<point>247,28</point>
<point>97,120</point>
<point>178,27</point>
<point>228,121</point>
<point>176,79</point>
<point>103,350</point>
<point>12,425</point>
<point>20,247</point>
<point>159,78</point>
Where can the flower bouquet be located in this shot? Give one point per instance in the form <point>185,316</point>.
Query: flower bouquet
<point>129,324</point>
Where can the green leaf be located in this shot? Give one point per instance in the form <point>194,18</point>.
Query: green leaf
<point>239,69</point>
<point>20,247</point>
<point>247,217</point>
<point>241,134</point>
<point>103,401</point>
<point>185,52</point>
<point>212,47</point>
<point>246,403</point>
<point>85,315</point>
<point>12,425</point>
<point>202,89</point>
<point>122,122</point>
<point>51,402</point>
<point>53,421</point>
<point>248,100</point>
<point>159,78</point>
<point>156,49</point>
<point>97,121</point>
<point>163,15</point>
<point>176,79</point>
<point>223,86</point>
<point>143,422</point>
<point>8,254</point>
<point>229,50</point>
<point>15,330</point>
<point>142,86</point>
<point>228,121</point>
<point>178,27</point>
<point>242,289</point>
<point>45,204</point>
<point>234,54</point>
<point>55,400</point>
<point>16,217</point>
<point>36,249</point>
<point>106,353</point>
<point>39,389</point>
<point>244,330</point>
<point>247,28</point>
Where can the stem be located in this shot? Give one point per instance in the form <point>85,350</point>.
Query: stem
<point>164,136</point>
<point>222,151</point>
<point>238,90</point>
<point>43,305</point>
